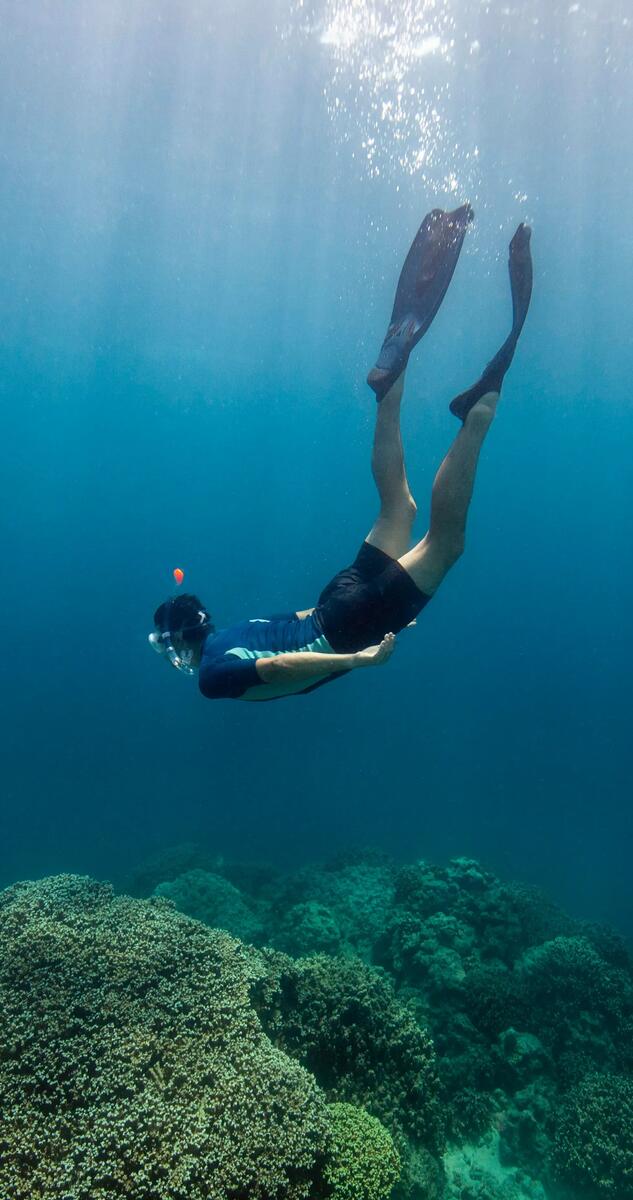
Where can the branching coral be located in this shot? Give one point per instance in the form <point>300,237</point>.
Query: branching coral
<point>581,1006</point>
<point>308,928</point>
<point>364,1164</point>
<point>593,1141</point>
<point>342,1020</point>
<point>357,893</point>
<point>211,898</point>
<point>132,1063</point>
<point>429,952</point>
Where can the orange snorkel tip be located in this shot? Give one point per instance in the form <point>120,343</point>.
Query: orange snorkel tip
<point>178,576</point>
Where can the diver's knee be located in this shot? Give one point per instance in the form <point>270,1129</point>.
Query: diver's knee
<point>410,509</point>
<point>402,509</point>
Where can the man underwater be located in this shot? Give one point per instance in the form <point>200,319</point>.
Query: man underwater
<point>358,614</point>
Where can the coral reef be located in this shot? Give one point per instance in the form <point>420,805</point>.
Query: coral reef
<point>132,1063</point>
<point>419,1033</point>
<point>342,1020</point>
<point>522,1004</point>
<point>514,994</point>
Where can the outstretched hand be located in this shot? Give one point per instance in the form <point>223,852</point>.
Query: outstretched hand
<point>375,656</point>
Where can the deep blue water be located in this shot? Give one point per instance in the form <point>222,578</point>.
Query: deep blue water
<point>199,248</point>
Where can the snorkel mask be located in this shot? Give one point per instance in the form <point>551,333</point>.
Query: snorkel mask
<point>162,644</point>
<point>162,639</point>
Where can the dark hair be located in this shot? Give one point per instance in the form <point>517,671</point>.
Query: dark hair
<point>186,616</point>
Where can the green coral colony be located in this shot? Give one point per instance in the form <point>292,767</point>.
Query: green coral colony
<point>357,1031</point>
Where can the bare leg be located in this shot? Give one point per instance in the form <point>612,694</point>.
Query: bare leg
<point>392,530</point>
<point>429,561</point>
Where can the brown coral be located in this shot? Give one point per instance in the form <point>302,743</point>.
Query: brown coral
<point>131,1062</point>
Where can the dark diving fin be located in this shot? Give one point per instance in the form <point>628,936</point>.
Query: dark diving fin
<point>425,276</point>
<point>520,268</point>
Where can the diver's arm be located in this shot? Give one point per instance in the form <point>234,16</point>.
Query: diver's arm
<point>307,665</point>
<point>301,666</point>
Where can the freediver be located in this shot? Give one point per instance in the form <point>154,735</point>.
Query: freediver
<point>358,614</point>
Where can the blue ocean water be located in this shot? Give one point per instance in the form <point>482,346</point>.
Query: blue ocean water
<point>204,209</point>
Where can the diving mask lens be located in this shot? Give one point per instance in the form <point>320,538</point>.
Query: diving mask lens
<point>162,644</point>
<point>156,642</point>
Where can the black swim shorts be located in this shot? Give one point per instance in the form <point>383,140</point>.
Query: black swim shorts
<point>363,602</point>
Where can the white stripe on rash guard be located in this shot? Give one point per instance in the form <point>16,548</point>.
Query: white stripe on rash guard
<point>319,646</point>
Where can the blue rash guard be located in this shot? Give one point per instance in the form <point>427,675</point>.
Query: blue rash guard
<point>227,667</point>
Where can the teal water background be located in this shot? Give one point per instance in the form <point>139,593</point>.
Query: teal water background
<point>199,245</point>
